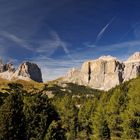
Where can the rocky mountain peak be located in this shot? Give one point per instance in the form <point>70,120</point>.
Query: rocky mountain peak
<point>105,72</point>
<point>107,58</point>
<point>29,70</point>
<point>26,71</point>
<point>134,57</point>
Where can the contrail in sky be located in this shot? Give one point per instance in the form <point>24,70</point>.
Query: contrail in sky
<point>100,34</point>
<point>132,28</point>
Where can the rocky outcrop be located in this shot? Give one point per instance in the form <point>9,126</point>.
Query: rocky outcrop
<point>135,57</point>
<point>6,67</point>
<point>132,67</point>
<point>105,72</point>
<point>102,71</point>
<point>75,76</point>
<point>29,70</point>
<point>26,71</point>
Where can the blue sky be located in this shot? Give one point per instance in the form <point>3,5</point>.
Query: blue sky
<point>61,34</point>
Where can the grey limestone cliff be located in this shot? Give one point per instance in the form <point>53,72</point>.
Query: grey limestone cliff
<point>105,72</point>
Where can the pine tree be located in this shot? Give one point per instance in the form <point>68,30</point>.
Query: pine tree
<point>131,116</point>
<point>39,115</point>
<point>84,118</point>
<point>55,132</point>
<point>69,116</point>
<point>100,126</point>
<point>12,125</point>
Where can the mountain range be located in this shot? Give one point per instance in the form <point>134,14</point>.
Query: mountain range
<point>103,73</point>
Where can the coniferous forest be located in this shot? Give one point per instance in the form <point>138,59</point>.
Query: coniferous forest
<point>83,114</point>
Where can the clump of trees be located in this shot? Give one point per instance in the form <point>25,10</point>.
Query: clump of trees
<point>110,115</point>
<point>25,116</point>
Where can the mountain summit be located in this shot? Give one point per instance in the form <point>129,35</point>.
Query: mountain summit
<point>26,71</point>
<point>134,57</point>
<point>105,72</point>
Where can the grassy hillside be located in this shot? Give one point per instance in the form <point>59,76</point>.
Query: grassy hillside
<point>28,85</point>
<point>51,87</point>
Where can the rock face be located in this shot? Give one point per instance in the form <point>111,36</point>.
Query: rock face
<point>26,71</point>
<point>105,72</point>
<point>134,57</point>
<point>132,67</point>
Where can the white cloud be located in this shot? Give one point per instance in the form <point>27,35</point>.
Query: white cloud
<point>52,69</point>
<point>16,39</point>
<point>121,50</point>
<point>125,45</point>
<point>46,46</point>
<point>2,52</point>
<point>49,46</point>
<point>136,29</point>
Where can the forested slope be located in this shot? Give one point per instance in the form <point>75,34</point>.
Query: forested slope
<point>74,113</point>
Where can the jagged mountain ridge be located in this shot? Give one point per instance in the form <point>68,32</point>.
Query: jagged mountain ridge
<point>26,71</point>
<point>105,72</point>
